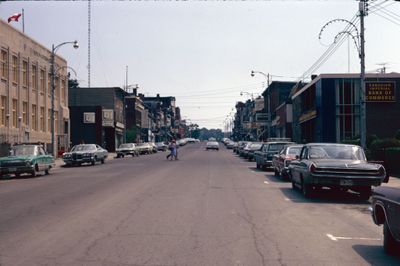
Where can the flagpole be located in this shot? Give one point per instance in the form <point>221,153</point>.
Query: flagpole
<point>23,21</point>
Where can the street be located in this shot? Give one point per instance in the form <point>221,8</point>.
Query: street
<point>207,208</point>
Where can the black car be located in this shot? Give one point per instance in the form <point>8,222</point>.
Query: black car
<point>386,210</point>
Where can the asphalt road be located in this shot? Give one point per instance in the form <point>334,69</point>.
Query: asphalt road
<point>208,208</point>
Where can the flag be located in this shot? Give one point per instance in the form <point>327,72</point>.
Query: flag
<point>14,17</point>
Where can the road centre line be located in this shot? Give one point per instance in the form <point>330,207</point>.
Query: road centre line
<point>336,238</point>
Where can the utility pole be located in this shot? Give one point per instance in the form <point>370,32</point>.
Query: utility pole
<point>363,113</point>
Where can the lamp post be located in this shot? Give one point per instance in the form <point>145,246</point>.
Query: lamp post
<point>269,123</point>
<point>52,73</point>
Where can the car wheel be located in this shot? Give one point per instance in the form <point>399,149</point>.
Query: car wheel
<point>47,171</point>
<point>102,161</point>
<point>17,175</point>
<point>34,171</point>
<point>118,155</point>
<point>306,189</point>
<point>294,187</point>
<point>365,193</point>
<point>93,161</point>
<point>258,165</point>
<point>276,172</point>
<point>390,245</point>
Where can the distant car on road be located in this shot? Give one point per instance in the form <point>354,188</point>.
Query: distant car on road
<point>85,153</point>
<point>127,149</point>
<point>386,210</point>
<point>337,166</point>
<point>144,148</point>
<point>26,159</point>
<point>281,161</point>
<point>212,145</point>
<point>161,146</point>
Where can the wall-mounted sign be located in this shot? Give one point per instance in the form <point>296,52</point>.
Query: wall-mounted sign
<point>89,118</point>
<point>307,116</point>
<point>108,118</point>
<point>380,92</point>
<point>258,104</point>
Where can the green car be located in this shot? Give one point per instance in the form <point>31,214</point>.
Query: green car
<point>26,159</point>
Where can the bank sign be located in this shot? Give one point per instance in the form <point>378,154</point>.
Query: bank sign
<point>380,92</point>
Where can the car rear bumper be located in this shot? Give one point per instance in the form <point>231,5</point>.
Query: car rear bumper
<point>345,181</point>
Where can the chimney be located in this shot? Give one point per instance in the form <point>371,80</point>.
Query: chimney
<point>158,95</point>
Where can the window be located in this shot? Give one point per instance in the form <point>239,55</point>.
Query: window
<point>347,109</point>
<point>49,120</point>
<point>14,112</point>
<point>4,64</point>
<point>42,81</point>
<point>56,87</point>
<point>42,119</point>
<point>25,113</point>
<point>63,92</point>
<point>34,77</point>
<point>3,110</point>
<point>34,115</point>
<point>14,69</point>
<point>24,73</point>
<point>56,122</point>
<point>49,84</point>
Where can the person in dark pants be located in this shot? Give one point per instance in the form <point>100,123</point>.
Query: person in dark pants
<point>172,149</point>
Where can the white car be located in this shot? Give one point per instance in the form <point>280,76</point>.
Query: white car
<point>212,145</point>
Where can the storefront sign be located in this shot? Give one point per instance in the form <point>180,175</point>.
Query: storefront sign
<point>258,104</point>
<point>89,118</point>
<point>380,92</point>
<point>307,116</point>
<point>108,118</point>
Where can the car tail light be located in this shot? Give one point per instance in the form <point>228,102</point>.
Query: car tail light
<point>312,168</point>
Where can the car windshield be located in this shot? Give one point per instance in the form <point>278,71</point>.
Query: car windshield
<point>255,146</point>
<point>276,146</point>
<point>23,150</point>
<point>337,152</point>
<point>294,150</point>
<point>83,148</point>
<point>125,145</point>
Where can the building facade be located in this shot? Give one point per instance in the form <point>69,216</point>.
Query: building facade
<point>25,91</point>
<point>328,108</point>
<point>110,101</point>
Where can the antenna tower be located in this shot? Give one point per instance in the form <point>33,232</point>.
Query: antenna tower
<point>89,19</point>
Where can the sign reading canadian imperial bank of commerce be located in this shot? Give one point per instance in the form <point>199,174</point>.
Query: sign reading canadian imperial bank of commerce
<point>380,92</point>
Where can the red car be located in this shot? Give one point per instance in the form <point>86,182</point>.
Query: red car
<point>281,161</point>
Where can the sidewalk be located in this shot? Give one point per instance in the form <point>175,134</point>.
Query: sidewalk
<point>59,161</point>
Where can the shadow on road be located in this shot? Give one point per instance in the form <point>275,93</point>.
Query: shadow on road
<point>325,196</point>
<point>375,255</point>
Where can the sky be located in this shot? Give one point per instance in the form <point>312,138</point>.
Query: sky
<point>202,52</point>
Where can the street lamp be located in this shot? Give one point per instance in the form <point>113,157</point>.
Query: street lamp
<point>269,125</point>
<point>52,73</point>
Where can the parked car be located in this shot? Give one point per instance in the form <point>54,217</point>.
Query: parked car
<point>281,161</point>
<point>245,150</point>
<point>127,149</point>
<point>264,157</point>
<point>26,159</point>
<point>144,148</point>
<point>212,145</point>
<point>230,144</point>
<point>161,146</point>
<point>240,145</point>
<point>153,147</point>
<point>85,153</point>
<point>336,166</point>
<point>255,146</point>
<point>385,210</point>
